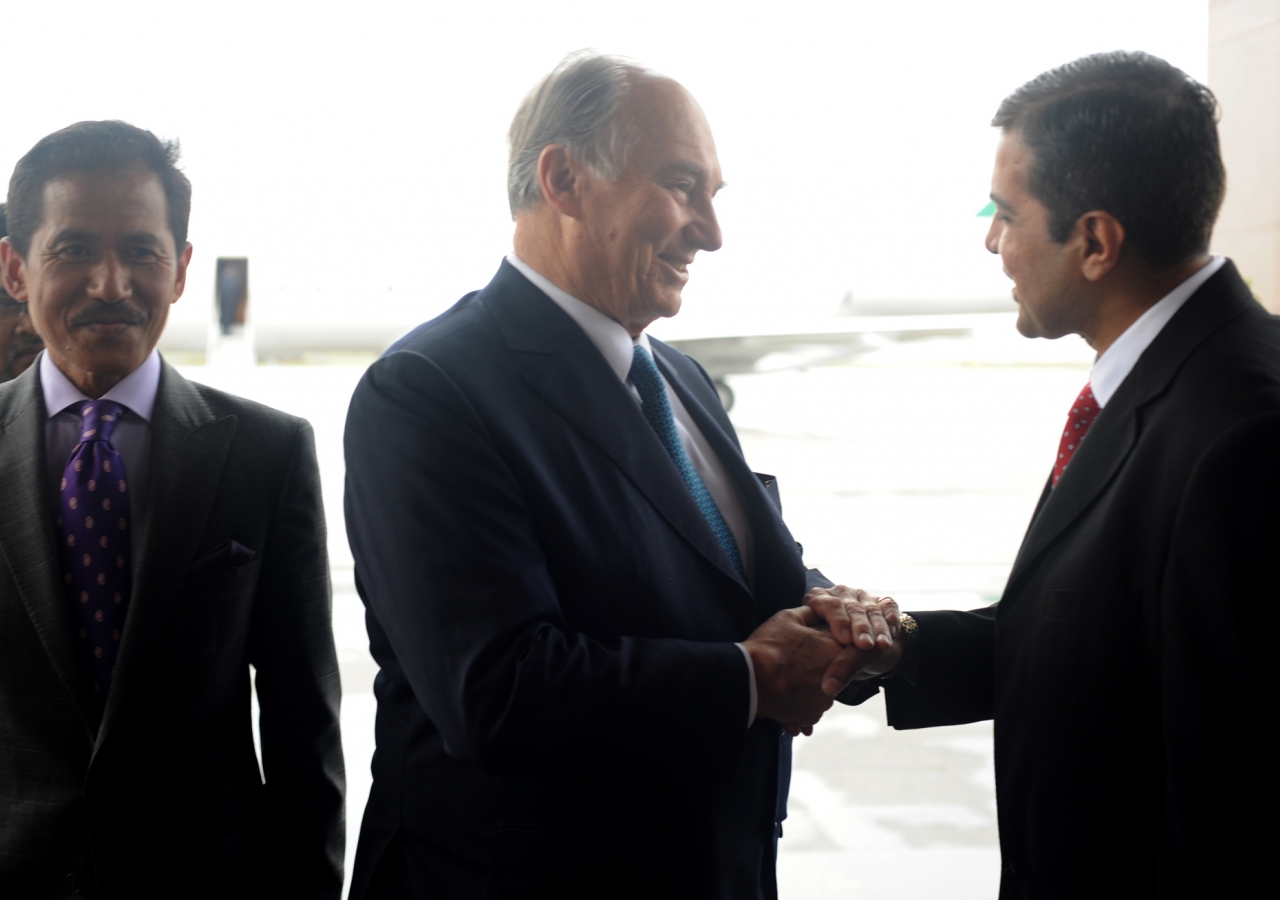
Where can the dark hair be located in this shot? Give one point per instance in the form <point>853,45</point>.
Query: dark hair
<point>1126,133</point>
<point>86,147</point>
<point>4,223</point>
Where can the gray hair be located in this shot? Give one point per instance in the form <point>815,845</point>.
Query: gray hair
<point>575,106</point>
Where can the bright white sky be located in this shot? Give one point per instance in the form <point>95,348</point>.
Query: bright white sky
<point>356,151</point>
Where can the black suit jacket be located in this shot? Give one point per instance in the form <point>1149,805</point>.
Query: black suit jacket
<point>1129,660</point>
<point>561,709</point>
<point>164,797</point>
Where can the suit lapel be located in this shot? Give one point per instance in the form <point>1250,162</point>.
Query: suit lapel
<point>1095,464</point>
<point>1114,434</point>
<point>573,378</point>
<point>27,525</point>
<point>189,448</point>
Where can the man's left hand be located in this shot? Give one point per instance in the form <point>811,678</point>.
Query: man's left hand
<point>868,626</point>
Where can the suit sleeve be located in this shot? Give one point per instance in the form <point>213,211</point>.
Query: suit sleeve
<point>454,572</point>
<point>292,649</point>
<point>955,675</point>
<point>1216,663</point>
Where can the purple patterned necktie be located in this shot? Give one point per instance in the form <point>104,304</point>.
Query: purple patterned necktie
<point>93,536</point>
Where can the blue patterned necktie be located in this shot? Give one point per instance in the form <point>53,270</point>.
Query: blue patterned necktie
<point>93,537</point>
<point>657,411</point>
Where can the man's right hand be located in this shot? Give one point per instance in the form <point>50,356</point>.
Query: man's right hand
<point>790,654</point>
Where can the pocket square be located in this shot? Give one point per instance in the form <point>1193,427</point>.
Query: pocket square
<point>226,555</point>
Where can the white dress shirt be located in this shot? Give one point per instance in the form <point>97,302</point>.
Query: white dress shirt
<point>1112,367</point>
<point>617,346</point>
<point>136,392</point>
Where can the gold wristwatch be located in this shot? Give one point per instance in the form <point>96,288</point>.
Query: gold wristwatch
<point>909,629</point>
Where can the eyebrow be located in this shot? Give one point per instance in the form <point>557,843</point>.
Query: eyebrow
<point>134,237</point>
<point>71,234</point>
<point>697,172</point>
<point>143,237</point>
<point>999,201</point>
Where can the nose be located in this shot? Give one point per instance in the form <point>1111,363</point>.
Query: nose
<point>110,279</point>
<point>993,236</point>
<point>703,229</point>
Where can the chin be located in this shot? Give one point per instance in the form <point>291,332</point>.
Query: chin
<point>1027,326</point>
<point>667,307</point>
<point>115,361</point>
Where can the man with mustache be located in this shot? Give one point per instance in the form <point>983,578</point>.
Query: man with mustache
<point>157,539</point>
<point>19,342</point>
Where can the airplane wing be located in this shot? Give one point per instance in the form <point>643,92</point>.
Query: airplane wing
<point>766,348</point>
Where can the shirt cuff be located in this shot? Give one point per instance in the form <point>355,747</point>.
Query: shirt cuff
<point>751,684</point>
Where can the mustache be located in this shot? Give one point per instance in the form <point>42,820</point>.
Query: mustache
<point>109,314</point>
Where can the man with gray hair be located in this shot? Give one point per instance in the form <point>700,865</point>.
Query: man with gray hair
<point>577,592</point>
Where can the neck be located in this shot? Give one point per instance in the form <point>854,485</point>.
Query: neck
<point>1131,290</point>
<point>92,384</point>
<point>546,245</point>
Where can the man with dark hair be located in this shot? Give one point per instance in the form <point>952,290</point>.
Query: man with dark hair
<point>19,342</point>
<point>157,538</point>
<point>1129,658</point>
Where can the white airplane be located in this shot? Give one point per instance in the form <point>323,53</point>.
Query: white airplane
<point>724,349</point>
<point>859,326</point>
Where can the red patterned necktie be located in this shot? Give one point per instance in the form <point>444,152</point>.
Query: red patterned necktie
<point>1083,412</point>
<point>93,534</point>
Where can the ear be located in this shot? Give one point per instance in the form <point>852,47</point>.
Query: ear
<point>561,179</point>
<point>13,271</point>
<point>180,279</point>
<point>1102,239</point>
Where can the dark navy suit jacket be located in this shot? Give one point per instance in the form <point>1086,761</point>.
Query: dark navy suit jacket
<point>561,708</point>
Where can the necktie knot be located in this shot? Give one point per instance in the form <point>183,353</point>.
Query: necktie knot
<point>644,374</point>
<point>99,419</point>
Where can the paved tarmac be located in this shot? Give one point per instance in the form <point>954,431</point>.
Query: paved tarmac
<point>913,472</point>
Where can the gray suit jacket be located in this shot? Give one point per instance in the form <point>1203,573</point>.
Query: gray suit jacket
<point>164,797</point>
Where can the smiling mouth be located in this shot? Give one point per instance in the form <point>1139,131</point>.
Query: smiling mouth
<point>680,265</point>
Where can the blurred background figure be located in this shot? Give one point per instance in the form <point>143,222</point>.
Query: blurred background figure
<point>233,292</point>
<point>19,342</point>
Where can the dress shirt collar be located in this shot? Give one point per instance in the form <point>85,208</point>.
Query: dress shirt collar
<point>1112,367</point>
<point>612,340</point>
<point>136,392</point>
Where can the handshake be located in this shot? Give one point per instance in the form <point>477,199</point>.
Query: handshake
<point>803,657</point>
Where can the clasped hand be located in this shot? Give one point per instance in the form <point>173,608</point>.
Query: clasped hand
<point>803,657</point>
